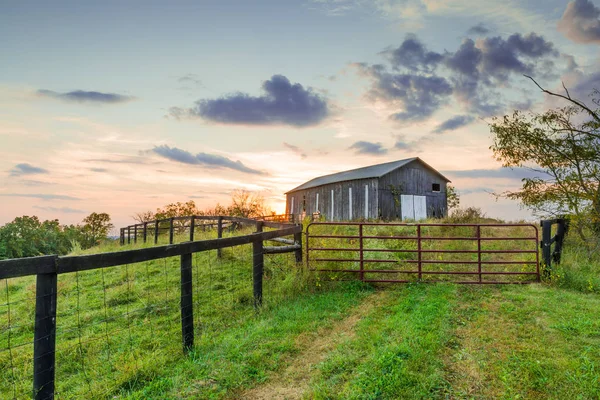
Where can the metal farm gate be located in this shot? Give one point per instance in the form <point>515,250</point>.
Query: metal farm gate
<point>397,252</point>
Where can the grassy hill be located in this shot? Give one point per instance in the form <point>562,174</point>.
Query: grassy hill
<point>119,334</point>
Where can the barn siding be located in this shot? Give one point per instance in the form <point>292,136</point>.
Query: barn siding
<point>341,202</point>
<point>415,179</point>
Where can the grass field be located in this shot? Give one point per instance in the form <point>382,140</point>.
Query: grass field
<point>119,335</point>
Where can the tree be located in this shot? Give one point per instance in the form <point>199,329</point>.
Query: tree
<point>96,227</point>
<point>246,204</point>
<point>29,237</point>
<point>562,148</point>
<point>452,197</point>
<point>145,216</point>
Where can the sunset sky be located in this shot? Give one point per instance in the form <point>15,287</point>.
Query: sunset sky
<point>125,106</point>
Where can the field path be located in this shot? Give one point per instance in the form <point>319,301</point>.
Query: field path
<point>292,382</point>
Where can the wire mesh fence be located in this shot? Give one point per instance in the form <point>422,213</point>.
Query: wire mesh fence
<point>119,327</point>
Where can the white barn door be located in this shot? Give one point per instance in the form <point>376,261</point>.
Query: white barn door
<point>420,206</point>
<point>407,206</point>
<point>413,207</point>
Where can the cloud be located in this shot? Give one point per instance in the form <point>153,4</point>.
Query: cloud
<point>413,55</point>
<point>204,159</point>
<point>453,123</point>
<point>419,81</point>
<point>581,22</point>
<point>120,160</point>
<point>98,170</point>
<point>81,96</point>
<point>363,147</point>
<point>40,196</point>
<point>414,146</point>
<point>189,78</point>
<point>295,149</point>
<point>496,173</point>
<point>478,29</point>
<point>516,54</point>
<point>34,183</point>
<point>419,96</point>
<point>66,210</point>
<point>476,190</point>
<point>584,86</point>
<point>283,103</point>
<point>26,169</point>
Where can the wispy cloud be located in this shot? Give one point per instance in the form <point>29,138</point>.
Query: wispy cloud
<point>478,30</point>
<point>295,149</point>
<point>82,96</point>
<point>283,103</point>
<point>66,210</point>
<point>203,159</point>
<point>496,173</point>
<point>454,123</point>
<point>419,96</point>
<point>40,196</point>
<point>26,169</point>
<point>364,147</point>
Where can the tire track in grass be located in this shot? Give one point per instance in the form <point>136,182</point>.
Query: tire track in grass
<point>396,353</point>
<point>293,381</point>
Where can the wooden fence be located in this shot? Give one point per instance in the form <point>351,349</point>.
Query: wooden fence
<point>549,256</point>
<point>191,223</point>
<point>47,269</point>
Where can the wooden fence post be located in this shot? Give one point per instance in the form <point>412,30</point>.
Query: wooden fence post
<point>258,264</point>
<point>156,232</point>
<point>546,247</point>
<point>298,240</point>
<point>145,231</point>
<point>135,230</point>
<point>187,303</point>
<point>44,343</point>
<point>122,236</point>
<point>219,233</point>
<point>171,230</point>
<point>129,234</point>
<point>192,227</point>
<point>560,238</point>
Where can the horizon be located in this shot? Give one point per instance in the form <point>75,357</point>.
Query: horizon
<point>124,108</point>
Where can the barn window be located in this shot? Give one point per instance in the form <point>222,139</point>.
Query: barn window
<point>435,187</point>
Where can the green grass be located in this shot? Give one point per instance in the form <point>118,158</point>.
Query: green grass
<point>426,341</point>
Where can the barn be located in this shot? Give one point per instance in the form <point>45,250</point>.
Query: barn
<point>407,189</point>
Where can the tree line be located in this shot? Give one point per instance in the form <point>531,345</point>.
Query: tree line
<point>29,237</point>
<point>243,204</point>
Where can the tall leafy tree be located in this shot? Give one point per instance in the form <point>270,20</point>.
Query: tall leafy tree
<point>96,227</point>
<point>562,147</point>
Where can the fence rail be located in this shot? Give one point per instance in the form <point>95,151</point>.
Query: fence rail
<point>361,249</point>
<point>192,223</point>
<point>47,269</point>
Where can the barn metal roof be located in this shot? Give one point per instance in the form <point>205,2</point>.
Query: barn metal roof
<point>372,171</point>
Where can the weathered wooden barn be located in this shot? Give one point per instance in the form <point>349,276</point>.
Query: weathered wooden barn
<point>405,189</point>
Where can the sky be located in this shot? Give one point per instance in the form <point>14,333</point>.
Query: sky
<point>123,107</point>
